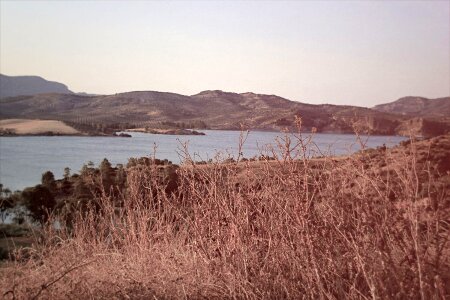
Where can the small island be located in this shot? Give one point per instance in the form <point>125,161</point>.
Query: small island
<point>122,134</point>
<point>172,131</point>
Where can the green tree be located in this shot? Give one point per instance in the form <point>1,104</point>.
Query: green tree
<point>66,173</point>
<point>81,190</point>
<point>121,176</point>
<point>105,166</point>
<point>87,169</point>
<point>8,201</point>
<point>48,180</point>
<point>39,202</point>
<point>107,173</point>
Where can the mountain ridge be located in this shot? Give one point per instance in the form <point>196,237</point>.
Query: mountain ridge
<point>11,86</point>
<point>214,109</point>
<point>217,109</point>
<point>417,106</point>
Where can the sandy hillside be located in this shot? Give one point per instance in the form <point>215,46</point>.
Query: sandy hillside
<point>23,126</point>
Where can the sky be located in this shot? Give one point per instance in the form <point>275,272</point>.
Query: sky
<point>341,52</point>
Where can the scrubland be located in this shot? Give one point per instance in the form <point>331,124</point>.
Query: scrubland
<point>373,225</point>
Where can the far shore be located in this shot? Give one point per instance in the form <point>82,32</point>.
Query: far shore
<point>37,127</point>
<point>177,131</point>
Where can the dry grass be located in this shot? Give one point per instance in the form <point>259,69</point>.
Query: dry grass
<point>24,126</point>
<point>373,225</point>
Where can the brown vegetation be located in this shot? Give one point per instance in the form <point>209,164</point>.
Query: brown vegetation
<point>418,107</point>
<point>372,225</point>
<point>213,110</point>
<point>24,127</point>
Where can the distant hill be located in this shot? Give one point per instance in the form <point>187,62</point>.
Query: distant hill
<point>11,86</point>
<point>215,109</point>
<point>274,113</point>
<point>208,109</point>
<point>418,107</point>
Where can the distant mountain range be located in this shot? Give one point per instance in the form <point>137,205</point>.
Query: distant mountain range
<point>223,110</point>
<point>11,86</point>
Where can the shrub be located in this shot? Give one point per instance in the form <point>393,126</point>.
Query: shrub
<point>291,227</point>
<point>39,202</point>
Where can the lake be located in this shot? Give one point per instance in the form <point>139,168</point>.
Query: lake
<point>24,159</point>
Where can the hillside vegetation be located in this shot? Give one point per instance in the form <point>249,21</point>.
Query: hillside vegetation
<point>209,109</point>
<point>418,107</point>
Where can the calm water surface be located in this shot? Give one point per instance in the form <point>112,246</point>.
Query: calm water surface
<point>24,159</point>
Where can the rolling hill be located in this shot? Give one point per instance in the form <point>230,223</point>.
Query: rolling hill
<point>217,109</point>
<point>418,107</point>
<point>212,109</point>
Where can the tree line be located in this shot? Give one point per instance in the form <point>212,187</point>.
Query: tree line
<point>77,192</point>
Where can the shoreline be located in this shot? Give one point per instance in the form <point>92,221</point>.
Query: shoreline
<point>53,134</point>
<point>170,131</point>
<point>201,133</point>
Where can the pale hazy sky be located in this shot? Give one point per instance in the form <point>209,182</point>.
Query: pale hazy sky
<point>356,52</point>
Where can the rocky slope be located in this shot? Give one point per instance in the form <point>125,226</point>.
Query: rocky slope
<point>418,107</point>
<point>426,117</point>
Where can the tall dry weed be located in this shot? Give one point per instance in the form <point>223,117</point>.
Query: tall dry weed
<point>371,225</point>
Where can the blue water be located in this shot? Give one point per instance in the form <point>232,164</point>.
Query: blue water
<point>24,159</point>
